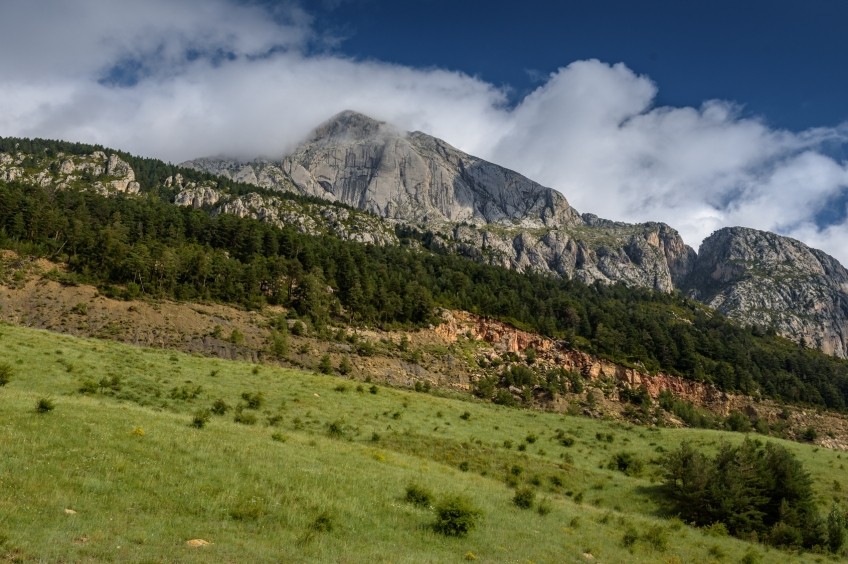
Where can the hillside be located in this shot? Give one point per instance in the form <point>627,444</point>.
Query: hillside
<point>142,245</point>
<point>319,468</point>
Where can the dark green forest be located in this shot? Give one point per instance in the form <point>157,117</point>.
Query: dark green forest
<point>146,246</point>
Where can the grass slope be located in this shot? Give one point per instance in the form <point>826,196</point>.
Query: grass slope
<point>321,474</point>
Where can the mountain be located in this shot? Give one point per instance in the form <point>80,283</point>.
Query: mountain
<point>773,281</point>
<point>486,212</point>
<point>472,206</point>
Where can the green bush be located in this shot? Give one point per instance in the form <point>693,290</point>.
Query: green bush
<point>254,400</point>
<point>6,372</point>
<point>201,418</point>
<point>418,495</point>
<point>626,462</point>
<point>344,366</point>
<point>44,405</point>
<point>544,507</point>
<point>754,490</point>
<point>524,498</point>
<point>244,418</point>
<point>456,516</point>
<point>220,407</point>
<point>325,365</point>
<point>323,523</point>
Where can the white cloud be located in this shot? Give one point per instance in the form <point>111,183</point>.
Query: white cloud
<point>219,77</point>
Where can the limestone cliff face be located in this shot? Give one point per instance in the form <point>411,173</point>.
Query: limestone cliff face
<point>474,207</point>
<point>766,279</point>
<point>106,175</point>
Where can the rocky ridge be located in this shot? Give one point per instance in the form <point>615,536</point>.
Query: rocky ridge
<point>104,174</point>
<point>768,280</point>
<point>306,218</point>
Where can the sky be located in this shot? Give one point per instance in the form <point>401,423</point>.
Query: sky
<point>698,114</point>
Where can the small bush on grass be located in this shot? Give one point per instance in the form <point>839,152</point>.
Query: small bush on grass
<point>626,462</point>
<point>244,418</point>
<point>524,498</point>
<point>630,537</point>
<point>254,400</point>
<point>336,429</point>
<point>6,372</point>
<point>220,407</point>
<point>418,496</point>
<point>456,516</point>
<point>323,523</point>
<point>44,405</point>
<point>201,418</point>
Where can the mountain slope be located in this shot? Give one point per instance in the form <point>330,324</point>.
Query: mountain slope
<point>317,469</point>
<point>483,211</point>
<point>474,207</point>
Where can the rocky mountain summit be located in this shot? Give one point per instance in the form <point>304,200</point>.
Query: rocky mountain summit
<point>471,206</point>
<point>773,281</point>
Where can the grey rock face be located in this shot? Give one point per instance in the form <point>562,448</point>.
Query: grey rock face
<point>766,279</point>
<point>478,208</point>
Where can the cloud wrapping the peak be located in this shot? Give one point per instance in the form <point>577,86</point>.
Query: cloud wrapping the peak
<point>179,80</point>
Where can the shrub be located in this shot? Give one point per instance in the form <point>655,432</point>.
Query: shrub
<point>325,365</point>
<point>254,400</point>
<point>626,462</point>
<point>504,397</point>
<point>524,498</point>
<point>456,516</point>
<point>44,405</point>
<point>837,520</point>
<point>244,418</point>
<point>323,523</point>
<point>373,389</point>
<point>336,429</point>
<point>465,416</point>
<point>237,337</point>
<point>6,372</point>
<point>544,507</point>
<point>630,537</point>
<point>220,407</point>
<point>344,366</point>
<point>657,538</point>
<point>418,495</point>
<point>279,344</point>
<point>464,466</point>
<point>201,418</point>
<point>755,490</point>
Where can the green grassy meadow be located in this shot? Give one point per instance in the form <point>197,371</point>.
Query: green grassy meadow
<point>321,473</point>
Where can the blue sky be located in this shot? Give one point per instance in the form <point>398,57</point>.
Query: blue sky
<point>697,114</point>
<point>784,60</point>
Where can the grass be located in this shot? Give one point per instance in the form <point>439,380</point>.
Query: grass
<point>308,482</point>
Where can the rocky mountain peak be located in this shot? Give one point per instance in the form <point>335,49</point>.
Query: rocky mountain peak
<point>347,126</point>
<point>774,281</point>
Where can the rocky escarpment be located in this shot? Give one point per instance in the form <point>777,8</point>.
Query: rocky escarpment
<point>104,174</point>
<point>305,217</point>
<point>765,279</point>
<point>471,206</point>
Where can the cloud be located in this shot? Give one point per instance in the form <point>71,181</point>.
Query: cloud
<point>178,80</point>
